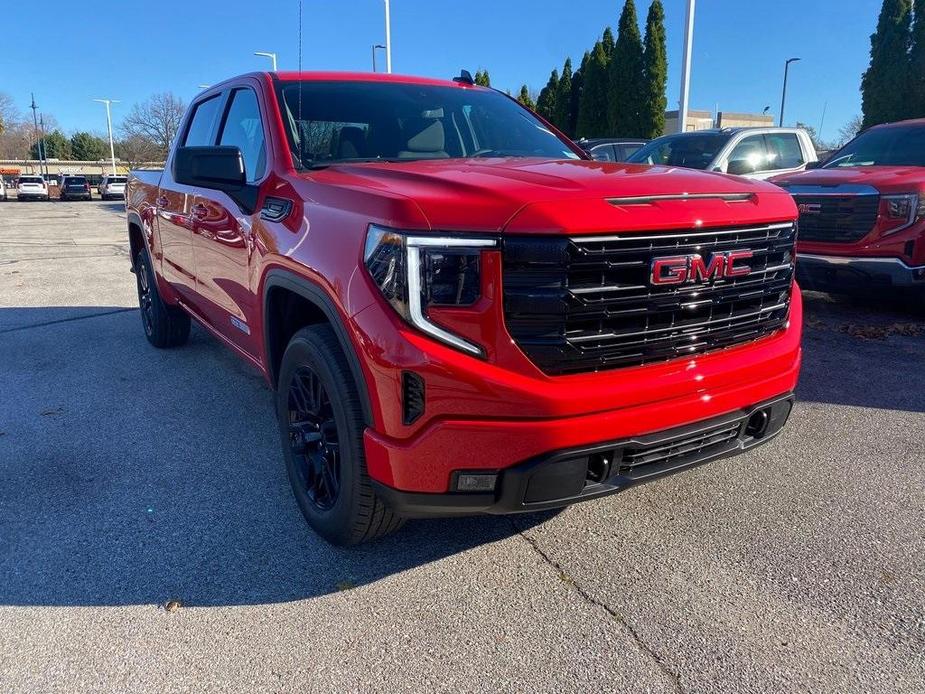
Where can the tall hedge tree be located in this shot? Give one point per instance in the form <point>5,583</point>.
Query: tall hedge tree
<point>525,99</point>
<point>917,62</point>
<point>655,74</point>
<point>548,98</point>
<point>885,84</point>
<point>592,106</point>
<point>625,77</point>
<point>578,85</point>
<point>57,146</point>
<point>482,78</point>
<point>563,117</point>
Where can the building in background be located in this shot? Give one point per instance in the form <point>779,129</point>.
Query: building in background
<point>703,120</point>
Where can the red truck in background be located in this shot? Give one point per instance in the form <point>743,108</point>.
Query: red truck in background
<point>862,213</point>
<point>458,310</point>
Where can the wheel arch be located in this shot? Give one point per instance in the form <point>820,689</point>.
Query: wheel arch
<point>324,310</point>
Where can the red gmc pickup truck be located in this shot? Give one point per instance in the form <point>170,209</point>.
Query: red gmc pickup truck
<point>458,310</point>
<point>862,213</point>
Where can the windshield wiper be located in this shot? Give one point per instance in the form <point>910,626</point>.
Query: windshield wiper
<point>317,165</point>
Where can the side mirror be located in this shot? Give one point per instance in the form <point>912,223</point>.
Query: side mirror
<point>740,167</point>
<point>216,168</point>
<point>814,164</point>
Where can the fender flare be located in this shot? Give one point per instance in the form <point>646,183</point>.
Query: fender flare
<point>317,296</point>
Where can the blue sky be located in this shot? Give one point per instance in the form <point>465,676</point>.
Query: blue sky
<point>127,50</point>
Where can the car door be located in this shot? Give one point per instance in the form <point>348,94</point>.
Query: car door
<point>223,242</point>
<point>175,201</point>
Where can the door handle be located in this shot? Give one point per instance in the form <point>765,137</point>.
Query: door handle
<point>199,211</point>
<point>162,201</point>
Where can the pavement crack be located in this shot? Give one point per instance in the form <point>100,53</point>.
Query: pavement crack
<point>591,600</point>
<point>65,320</point>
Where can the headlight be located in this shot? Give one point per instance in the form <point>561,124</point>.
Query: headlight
<point>415,273</point>
<point>901,211</point>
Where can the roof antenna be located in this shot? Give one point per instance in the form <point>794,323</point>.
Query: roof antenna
<point>465,77</point>
<point>299,119</point>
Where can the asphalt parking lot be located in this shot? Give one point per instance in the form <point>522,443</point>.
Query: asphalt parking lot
<point>131,477</point>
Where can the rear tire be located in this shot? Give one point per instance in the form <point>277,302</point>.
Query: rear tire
<point>165,326</point>
<point>321,431</point>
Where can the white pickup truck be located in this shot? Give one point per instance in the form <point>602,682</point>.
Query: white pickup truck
<point>750,152</point>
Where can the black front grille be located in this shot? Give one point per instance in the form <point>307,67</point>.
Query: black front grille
<point>837,218</point>
<point>587,304</point>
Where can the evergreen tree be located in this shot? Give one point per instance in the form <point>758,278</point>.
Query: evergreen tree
<point>625,77</point>
<point>57,146</point>
<point>592,108</point>
<point>563,116</point>
<point>482,78</point>
<point>885,84</point>
<point>87,147</point>
<point>655,74</point>
<point>525,99</point>
<point>574,104</point>
<point>917,62</point>
<point>607,42</point>
<point>546,104</point>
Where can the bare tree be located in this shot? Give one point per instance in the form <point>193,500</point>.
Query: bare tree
<point>9,114</point>
<point>851,129</point>
<point>155,120</point>
<point>136,150</point>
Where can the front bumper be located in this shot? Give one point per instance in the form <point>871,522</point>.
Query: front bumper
<point>568,476</point>
<point>834,273</point>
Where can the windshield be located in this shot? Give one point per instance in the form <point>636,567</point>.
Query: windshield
<point>890,146</point>
<point>331,122</point>
<point>690,150</point>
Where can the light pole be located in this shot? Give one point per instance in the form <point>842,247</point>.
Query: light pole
<point>375,47</point>
<point>686,66</point>
<point>271,56</point>
<point>44,153</point>
<point>205,86</point>
<point>783,96</point>
<point>388,37</point>
<point>39,144</point>
<point>112,148</point>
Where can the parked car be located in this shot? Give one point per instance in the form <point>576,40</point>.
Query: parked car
<point>458,311</point>
<point>31,188</point>
<point>611,149</point>
<point>112,187</point>
<point>74,187</point>
<point>751,152</point>
<point>862,213</point>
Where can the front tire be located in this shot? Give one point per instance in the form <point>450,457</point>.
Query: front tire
<point>165,326</point>
<point>321,431</point>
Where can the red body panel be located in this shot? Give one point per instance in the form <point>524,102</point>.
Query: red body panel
<point>489,413</point>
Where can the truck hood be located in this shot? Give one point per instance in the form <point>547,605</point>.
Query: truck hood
<point>886,179</point>
<point>521,195</point>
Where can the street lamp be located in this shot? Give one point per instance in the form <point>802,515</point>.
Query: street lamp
<point>388,37</point>
<point>271,56</point>
<point>205,86</point>
<point>112,148</point>
<point>376,46</point>
<point>783,96</point>
<point>686,67</point>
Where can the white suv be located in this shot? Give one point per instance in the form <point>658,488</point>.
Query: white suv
<point>32,187</point>
<point>112,187</point>
<point>749,152</point>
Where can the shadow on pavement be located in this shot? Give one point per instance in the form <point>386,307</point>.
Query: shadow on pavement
<point>865,352</point>
<point>130,475</point>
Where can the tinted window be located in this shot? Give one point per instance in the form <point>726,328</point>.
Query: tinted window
<point>200,129</point>
<point>784,151</point>
<point>329,122</point>
<point>75,180</point>
<point>30,179</point>
<point>243,129</point>
<point>629,150</point>
<point>691,150</point>
<point>117,180</point>
<point>602,153</point>
<point>889,146</point>
<point>750,155</point>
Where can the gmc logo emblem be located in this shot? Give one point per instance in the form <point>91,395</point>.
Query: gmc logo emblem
<point>694,269</point>
<point>809,208</point>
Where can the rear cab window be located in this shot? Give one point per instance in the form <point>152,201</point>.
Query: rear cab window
<point>784,151</point>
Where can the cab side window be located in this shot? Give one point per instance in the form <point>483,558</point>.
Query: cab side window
<point>784,151</point>
<point>200,128</point>
<point>243,129</point>
<point>749,156</point>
